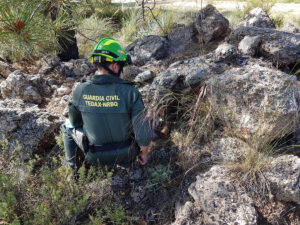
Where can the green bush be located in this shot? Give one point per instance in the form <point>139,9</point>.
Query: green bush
<point>160,176</point>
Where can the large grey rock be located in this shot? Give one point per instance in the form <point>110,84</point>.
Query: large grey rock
<point>227,149</point>
<point>290,28</point>
<point>283,173</point>
<point>48,63</point>
<point>5,69</point>
<point>30,88</point>
<point>77,68</point>
<point>255,100</point>
<point>249,45</point>
<point>282,48</point>
<point>183,74</point>
<point>211,24</point>
<point>221,200</point>
<point>28,126</point>
<point>258,18</point>
<point>183,38</point>
<point>188,214</point>
<point>147,48</point>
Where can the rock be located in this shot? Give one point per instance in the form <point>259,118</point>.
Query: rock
<point>144,76</point>
<point>135,174</point>
<point>258,18</point>
<point>290,28</point>
<point>84,66</point>
<point>255,100</point>
<point>182,39</point>
<point>138,193</point>
<point>211,24</point>
<point>283,173</point>
<point>220,198</point>
<point>28,126</point>
<point>23,86</point>
<point>187,214</point>
<point>227,149</point>
<point>5,69</point>
<point>250,45</point>
<point>225,52</point>
<point>48,63</point>
<point>63,90</point>
<point>130,72</point>
<point>68,69</point>
<point>282,48</point>
<point>182,75</point>
<point>147,48</point>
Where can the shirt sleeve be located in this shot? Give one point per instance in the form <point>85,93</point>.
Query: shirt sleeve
<point>141,125</point>
<point>74,113</point>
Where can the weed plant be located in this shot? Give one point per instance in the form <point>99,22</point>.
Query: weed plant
<point>160,176</point>
<point>50,194</point>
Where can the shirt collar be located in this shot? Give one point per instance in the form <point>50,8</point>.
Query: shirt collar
<point>108,79</point>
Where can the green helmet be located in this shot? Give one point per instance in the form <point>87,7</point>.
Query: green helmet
<point>109,50</point>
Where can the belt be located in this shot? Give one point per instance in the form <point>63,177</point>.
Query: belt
<point>110,146</point>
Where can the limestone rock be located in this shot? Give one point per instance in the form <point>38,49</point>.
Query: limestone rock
<point>5,69</point>
<point>282,48</point>
<point>146,48</point>
<point>187,214</point>
<point>27,125</point>
<point>258,18</point>
<point>225,52</point>
<point>211,24</point>
<point>23,86</point>
<point>63,90</point>
<point>48,63</point>
<point>249,45</point>
<point>255,100</point>
<point>228,149</point>
<point>78,67</point>
<point>183,38</point>
<point>290,28</point>
<point>144,76</point>
<point>220,198</point>
<point>283,173</point>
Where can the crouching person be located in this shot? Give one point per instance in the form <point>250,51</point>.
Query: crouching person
<point>106,114</point>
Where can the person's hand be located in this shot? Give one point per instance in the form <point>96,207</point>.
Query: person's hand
<point>143,156</point>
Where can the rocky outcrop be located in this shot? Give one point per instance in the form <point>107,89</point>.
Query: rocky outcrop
<point>283,173</point>
<point>211,24</point>
<point>77,68</point>
<point>28,126</point>
<point>48,63</point>
<point>282,48</point>
<point>255,100</point>
<point>30,88</point>
<point>220,198</point>
<point>146,48</point>
<point>227,149</point>
<point>130,72</point>
<point>258,18</point>
<point>290,28</point>
<point>5,69</point>
<point>182,39</point>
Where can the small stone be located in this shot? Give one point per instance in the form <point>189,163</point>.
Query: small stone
<point>249,45</point>
<point>144,76</point>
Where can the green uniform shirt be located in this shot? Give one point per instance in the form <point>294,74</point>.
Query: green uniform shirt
<point>109,110</point>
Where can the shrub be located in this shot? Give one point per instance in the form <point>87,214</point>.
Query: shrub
<point>278,21</point>
<point>160,176</point>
